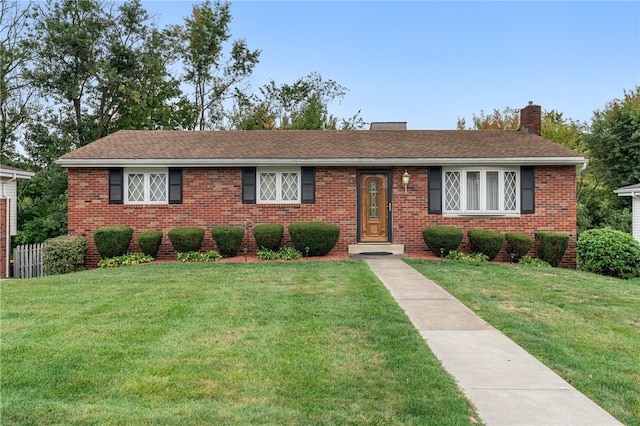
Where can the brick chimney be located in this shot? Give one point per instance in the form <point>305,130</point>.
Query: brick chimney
<point>531,119</point>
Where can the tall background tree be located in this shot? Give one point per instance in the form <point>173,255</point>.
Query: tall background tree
<point>16,94</point>
<point>613,147</point>
<point>214,76</point>
<point>98,67</point>
<point>73,71</point>
<point>302,105</point>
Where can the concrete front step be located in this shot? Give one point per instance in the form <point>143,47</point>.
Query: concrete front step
<point>360,251</point>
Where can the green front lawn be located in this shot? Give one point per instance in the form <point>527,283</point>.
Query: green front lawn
<point>283,343</point>
<point>584,326</point>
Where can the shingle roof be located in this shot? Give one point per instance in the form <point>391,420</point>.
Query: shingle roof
<point>406,147</point>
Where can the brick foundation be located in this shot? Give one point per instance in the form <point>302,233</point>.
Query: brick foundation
<point>212,196</point>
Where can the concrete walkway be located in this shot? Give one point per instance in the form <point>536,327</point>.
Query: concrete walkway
<point>506,384</point>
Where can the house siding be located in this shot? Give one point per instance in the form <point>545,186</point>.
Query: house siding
<point>213,196</point>
<point>635,209</point>
<point>3,238</point>
<point>9,190</point>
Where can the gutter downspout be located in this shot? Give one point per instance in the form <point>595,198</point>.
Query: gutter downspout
<point>584,167</point>
<point>7,225</point>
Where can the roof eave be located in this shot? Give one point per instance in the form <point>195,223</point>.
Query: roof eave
<point>628,191</point>
<point>358,162</point>
<point>11,174</point>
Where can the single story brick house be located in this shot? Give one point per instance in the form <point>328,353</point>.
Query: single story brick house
<point>381,186</point>
<point>633,191</point>
<point>9,211</point>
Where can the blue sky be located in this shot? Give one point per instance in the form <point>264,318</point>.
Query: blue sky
<point>428,62</point>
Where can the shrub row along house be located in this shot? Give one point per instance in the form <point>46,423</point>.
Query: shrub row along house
<point>381,186</point>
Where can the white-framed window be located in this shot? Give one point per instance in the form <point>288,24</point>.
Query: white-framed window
<point>481,190</point>
<point>146,186</point>
<point>278,185</point>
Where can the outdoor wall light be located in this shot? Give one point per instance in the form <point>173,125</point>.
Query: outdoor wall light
<point>405,180</point>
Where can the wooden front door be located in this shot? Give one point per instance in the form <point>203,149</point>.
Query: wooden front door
<point>374,207</point>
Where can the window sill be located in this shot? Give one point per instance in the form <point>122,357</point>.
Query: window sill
<point>501,215</point>
<point>146,206</point>
<point>279,205</point>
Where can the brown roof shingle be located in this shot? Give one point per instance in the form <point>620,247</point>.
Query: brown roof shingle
<point>321,147</point>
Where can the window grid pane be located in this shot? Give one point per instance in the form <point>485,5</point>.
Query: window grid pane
<point>452,191</point>
<point>136,187</point>
<point>157,187</point>
<point>268,186</point>
<point>510,191</point>
<point>493,198</point>
<point>473,190</point>
<point>289,186</point>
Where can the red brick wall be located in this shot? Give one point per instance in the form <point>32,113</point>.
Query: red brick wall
<point>3,237</point>
<point>555,210</point>
<point>213,197</point>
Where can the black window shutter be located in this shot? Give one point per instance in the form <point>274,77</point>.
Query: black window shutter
<point>175,186</point>
<point>435,190</point>
<point>249,185</point>
<point>527,189</point>
<point>116,186</point>
<point>308,185</point>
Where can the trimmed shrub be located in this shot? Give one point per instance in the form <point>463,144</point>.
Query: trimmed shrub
<point>518,243</point>
<point>112,241</point>
<point>228,239</point>
<point>551,246</point>
<point>268,236</point>
<point>320,237</point>
<point>446,237</point>
<point>609,252</point>
<point>485,241</point>
<point>149,242</point>
<point>64,254</point>
<point>186,239</point>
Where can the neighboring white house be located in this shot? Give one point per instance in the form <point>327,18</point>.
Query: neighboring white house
<point>8,190</point>
<point>633,191</point>
<point>8,211</point>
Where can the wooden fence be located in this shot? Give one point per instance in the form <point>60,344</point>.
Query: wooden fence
<point>27,261</point>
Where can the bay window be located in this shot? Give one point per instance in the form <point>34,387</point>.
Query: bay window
<point>481,190</point>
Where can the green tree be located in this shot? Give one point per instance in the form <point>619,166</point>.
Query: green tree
<point>105,65</point>
<point>614,142</point>
<point>16,95</point>
<point>99,67</point>
<point>42,206</point>
<point>564,131</point>
<point>213,76</point>
<point>303,105</point>
<point>134,88</point>
<point>613,148</point>
<point>67,39</point>
<point>507,119</point>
